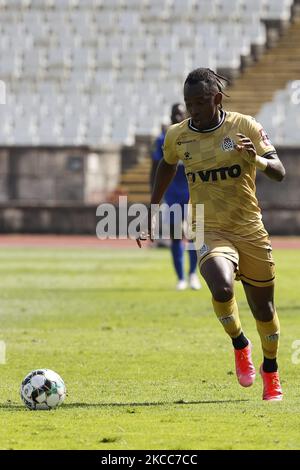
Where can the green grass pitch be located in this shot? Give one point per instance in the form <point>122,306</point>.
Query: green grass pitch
<point>146,367</point>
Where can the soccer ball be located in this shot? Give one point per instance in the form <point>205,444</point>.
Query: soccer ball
<point>43,389</point>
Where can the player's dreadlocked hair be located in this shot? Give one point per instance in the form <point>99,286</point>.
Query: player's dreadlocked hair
<point>212,80</point>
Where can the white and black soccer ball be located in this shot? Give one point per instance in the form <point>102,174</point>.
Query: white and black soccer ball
<point>43,389</point>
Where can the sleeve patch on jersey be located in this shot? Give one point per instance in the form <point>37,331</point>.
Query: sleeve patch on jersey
<point>264,137</point>
<point>204,249</point>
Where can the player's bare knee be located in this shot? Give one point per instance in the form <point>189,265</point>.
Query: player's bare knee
<point>263,313</point>
<point>222,293</point>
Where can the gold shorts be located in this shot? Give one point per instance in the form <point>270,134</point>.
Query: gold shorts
<point>253,259</point>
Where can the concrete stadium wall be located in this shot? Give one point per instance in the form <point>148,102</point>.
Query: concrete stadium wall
<point>55,190</point>
<point>58,175</point>
<point>46,218</point>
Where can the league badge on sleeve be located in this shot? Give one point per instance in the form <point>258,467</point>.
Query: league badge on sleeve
<point>203,250</point>
<point>264,137</point>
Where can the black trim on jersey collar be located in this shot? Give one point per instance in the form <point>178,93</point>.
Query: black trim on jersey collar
<point>223,114</point>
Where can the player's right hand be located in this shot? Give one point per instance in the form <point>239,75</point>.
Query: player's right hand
<point>145,233</point>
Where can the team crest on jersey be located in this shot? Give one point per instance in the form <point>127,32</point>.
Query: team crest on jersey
<point>227,144</point>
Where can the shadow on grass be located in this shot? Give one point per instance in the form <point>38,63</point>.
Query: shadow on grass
<point>119,289</point>
<point>14,407</point>
<point>157,403</point>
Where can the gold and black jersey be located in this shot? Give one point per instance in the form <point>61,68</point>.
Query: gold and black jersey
<point>217,175</point>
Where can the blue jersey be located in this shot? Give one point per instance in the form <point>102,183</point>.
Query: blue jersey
<point>178,190</point>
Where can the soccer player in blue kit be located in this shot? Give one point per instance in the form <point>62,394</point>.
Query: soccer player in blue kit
<point>177,192</point>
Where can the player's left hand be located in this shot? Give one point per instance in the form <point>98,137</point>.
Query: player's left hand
<point>244,143</point>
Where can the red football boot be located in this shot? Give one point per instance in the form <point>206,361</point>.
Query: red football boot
<point>244,367</point>
<point>272,388</point>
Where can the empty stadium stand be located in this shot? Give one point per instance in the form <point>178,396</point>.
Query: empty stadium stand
<point>92,72</point>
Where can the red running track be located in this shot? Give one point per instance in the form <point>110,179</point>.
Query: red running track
<point>88,241</point>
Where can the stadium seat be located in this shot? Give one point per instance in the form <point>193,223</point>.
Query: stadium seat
<point>150,124</point>
<point>156,59</point>
<point>83,58</point>
<point>34,63</point>
<point>230,10</point>
<point>258,6</point>
<point>178,13</point>
<point>107,59</point>
<point>278,10</point>
<point>66,38</point>
<point>103,81</point>
<point>112,4</point>
<point>33,17</point>
<point>167,43</point>
<point>106,21</point>
<point>228,58</point>
<point>207,10</point>
<point>180,64</point>
<point>119,41</point>
<point>65,5</point>
<point>123,133</point>
<point>41,4</point>
<point>157,27</point>
<point>129,22</point>
<point>171,92</point>
<point>206,57</point>
<point>89,5</point>
<point>290,133</point>
<point>25,131</point>
<point>158,10</point>
<point>98,132</point>
<point>185,33</point>
<point>11,66</point>
<point>49,133</point>
<point>141,44</point>
<point>15,4</point>
<point>256,32</point>
<point>73,131</point>
<point>136,5</point>
<point>131,64</point>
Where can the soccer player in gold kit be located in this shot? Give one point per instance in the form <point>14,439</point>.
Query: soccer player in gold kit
<point>221,152</point>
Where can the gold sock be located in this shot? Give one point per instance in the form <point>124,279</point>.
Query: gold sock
<point>269,332</point>
<point>228,314</point>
